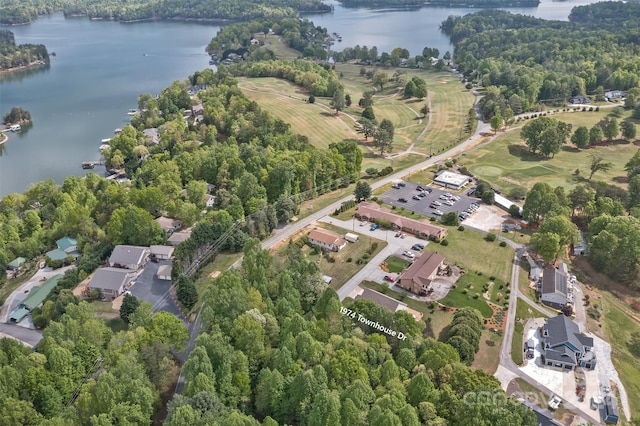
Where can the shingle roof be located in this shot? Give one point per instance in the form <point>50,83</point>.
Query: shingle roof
<point>554,281</point>
<point>385,301</point>
<point>110,278</point>
<point>127,255</point>
<point>423,267</point>
<point>562,330</point>
<point>373,210</point>
<point>162,250</point>
<point>326,236</point>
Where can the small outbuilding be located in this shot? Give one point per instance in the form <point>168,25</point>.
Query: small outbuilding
<point>164,272</point>
<point>16,264</point>
<point>610,410</point>
<point>352,238</point>
<point>451,180</point>
<point>161,252</point>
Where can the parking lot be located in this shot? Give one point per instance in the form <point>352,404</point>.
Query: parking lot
<point>420,201</point>
<point>149,288</point>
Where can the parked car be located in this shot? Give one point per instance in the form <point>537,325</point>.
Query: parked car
<point>443,197</point>
<point>554,402</point>
<point>417,247</point>
<point>389,278</point>
<point>437,212</point>
<point>402,200</point>
<point>448,203</point>
<point>363,223</point>
<point>373,227</point>
<point>436,202</point>
<point>415,197</point>
<point>401,184</point>
<point>422,194</point>
<point>409,254</point>
<point>419,188</point>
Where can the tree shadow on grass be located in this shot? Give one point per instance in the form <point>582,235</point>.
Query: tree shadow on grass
<point>620,179</point>
<point>523,153</point>
<point>328,114</point>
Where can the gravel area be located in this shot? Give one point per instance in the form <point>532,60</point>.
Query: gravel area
<point>607,371</point>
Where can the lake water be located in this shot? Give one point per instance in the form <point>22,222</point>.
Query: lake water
<point>100,68</point>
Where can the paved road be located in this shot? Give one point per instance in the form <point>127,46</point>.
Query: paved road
<point>26,335</point>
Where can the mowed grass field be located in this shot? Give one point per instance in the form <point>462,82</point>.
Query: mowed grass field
<point>507,163</point>
<point>470,250</point>
<point>287,101</point>
<point>449,103</point>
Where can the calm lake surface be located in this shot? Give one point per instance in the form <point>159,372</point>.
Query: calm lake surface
<point>100,68</point>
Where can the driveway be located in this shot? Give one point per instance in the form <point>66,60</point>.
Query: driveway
<point>372,271</point>
<point>20,293</point>
<point>25,335</point>
<point>149,288</point>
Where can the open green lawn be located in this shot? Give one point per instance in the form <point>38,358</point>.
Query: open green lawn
<point>286,101</point>
<point>469,250</point>
<point>469,292</point>
<point>281,50</point>
<point>523,313</point>
<point>488,356</point>
<point>450,102</point>
<point>506,162</point>
<point>619,325</point>
<point>396,265</point>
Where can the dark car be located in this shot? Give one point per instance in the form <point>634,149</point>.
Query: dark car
<point>417,247</point>
<point>402,200</point>
<point>422,195</point>
<point>419,188</point>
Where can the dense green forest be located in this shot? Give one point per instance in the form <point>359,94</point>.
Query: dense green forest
<point>532,61</point>
<point>276,349</point>
<point>254,162</point>
<point>19,12</point>
<point>12,56</point>
<point>85,374</point>
<point>297,33</point>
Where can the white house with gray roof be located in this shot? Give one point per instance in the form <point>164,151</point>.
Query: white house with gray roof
<point>129,257</point>
<point>564,347</point>
<point>111,282</point>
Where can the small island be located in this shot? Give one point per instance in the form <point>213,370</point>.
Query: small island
<point>14,120</point>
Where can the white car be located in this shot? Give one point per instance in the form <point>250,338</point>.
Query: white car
<point>409,254</point>
<point>437,213</point>
<point>555,402</point>
<point>363,223</point>
<point>448,203</point>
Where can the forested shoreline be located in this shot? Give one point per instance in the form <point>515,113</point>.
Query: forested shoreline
<point>532,61</point>
<point>16,12</point>
<point>18,56</point>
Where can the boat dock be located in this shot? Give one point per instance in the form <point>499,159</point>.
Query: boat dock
<point>91,164</point>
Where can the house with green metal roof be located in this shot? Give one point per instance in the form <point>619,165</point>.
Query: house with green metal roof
<point>36,297</point>
<point>67,246</point>
<point>16,263</point>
